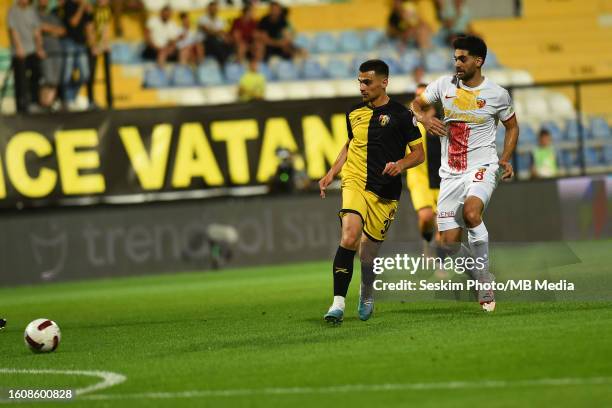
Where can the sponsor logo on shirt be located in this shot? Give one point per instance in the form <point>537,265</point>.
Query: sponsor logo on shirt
<point>384,120</point>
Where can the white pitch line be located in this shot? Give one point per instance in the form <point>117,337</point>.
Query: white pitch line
<point>451,385</point>
<point>108,378</point>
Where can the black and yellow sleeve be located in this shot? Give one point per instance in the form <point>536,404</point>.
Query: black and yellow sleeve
<point>411,131</point>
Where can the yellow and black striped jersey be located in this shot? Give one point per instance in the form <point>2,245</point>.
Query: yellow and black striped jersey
<point>378,136</point>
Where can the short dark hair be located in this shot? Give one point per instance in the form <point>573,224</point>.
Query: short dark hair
<point>475,46</point>
<point>544,132</point>
<point>379,67</point>
<point>421,85</point>
<point>183,14</point>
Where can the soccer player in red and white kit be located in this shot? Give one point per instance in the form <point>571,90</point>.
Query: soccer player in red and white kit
<point>470,169</point>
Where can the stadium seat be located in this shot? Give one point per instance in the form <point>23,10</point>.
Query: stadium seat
<point>523,162</point>
<point>233,72</point>
<point>350,41</point>
<point>156,77</point>
<point>209,73</point>
<point>312,69</point>
<point>372,39</point>
<point>572,130</point>
<point>527,135</point>
<point>285,70</point>
<point>554,130</point>
<point>125,53</point>
<point>338,69</point>
<point>599,128</point>
<point>265,70</point>
<point>325,42</point>
<point>182,75</point>
<point>592,157</point>
<point>437,60</point>
<point>491,60</point>
<point>303,41</point>
<point>409,61</point>
<point>392,61</point>
<point>567,159</point>
<point>535,105</point>
<point>608,155</point>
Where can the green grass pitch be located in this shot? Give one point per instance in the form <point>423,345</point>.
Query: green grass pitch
<point>255,338</point>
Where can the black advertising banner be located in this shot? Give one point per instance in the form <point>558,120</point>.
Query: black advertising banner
<point>163,154</point>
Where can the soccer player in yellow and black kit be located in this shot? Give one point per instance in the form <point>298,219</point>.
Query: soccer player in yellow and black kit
<point>372,161</point>
<point>424,180</point>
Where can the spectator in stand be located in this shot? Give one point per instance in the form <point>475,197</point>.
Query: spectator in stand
<point>102,17</point>
<point>407,27</point>
<point>26,49</point>
<point>544,157</point>
<point>243,35</point>
<point>78,21</point>
<point>252,85</point>
<point>52,30</point>
<point>190,48</point>
<point>455,18</point>
<point>161,35</point>
<point>274,34</point>
<point>216,40</point>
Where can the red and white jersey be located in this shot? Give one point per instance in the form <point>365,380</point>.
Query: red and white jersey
<point>471,116</point>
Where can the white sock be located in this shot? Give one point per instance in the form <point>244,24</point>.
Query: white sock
<point>478,238</point>
<point>338,303</point>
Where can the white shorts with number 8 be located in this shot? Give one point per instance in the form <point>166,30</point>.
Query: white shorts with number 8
<point>479,182</point>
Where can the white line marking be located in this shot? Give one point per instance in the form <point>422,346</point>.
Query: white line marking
<point>108,378</point>
<point>451,385</point>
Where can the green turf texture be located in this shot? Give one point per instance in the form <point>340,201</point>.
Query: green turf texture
<point>262,327</point>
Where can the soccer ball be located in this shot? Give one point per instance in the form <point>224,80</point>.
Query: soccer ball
<point>42,336</point>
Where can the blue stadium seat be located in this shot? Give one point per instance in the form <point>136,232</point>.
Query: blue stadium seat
<point>409,61</point>
<point>527,136</point>
<point>554,130</point>
<point>325,43</point>
<point>395,68</point>
<point>338,69</point>
<point>372,39</point>
<point>233,72</point>
<point>491,60</point>
<point>303,41</point>
<point>593,157</point>
<point>209,73</point>
<point>437,60</point>
<point>600,128</point>
<point>350,41</point>
<point>523,162</point>
<point>124,53</point>
<point>312,69</point>
<point>285,70</point>
<point>568,159</point>
<point>265,70</point>
<point>608,155</point>
<point>156,77</point>
<point>572,130</point>
<point>182,75</point>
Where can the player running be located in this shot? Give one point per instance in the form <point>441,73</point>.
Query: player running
<point>379,130</point>
<point>424,182</point>
<point>470,168</point>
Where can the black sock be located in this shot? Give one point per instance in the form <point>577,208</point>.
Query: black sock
<point>343,270</point>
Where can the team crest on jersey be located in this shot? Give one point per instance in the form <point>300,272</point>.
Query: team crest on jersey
<point>480,103</point>
<point>384,120</point>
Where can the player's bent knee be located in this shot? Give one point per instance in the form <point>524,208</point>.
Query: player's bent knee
<point>350,238</point>
<point>472,217</point>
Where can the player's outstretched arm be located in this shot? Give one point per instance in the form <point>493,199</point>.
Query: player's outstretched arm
<point>412,159</point>
<point>432,124</point>
<point>335,169</point>
<point>512,134</point>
